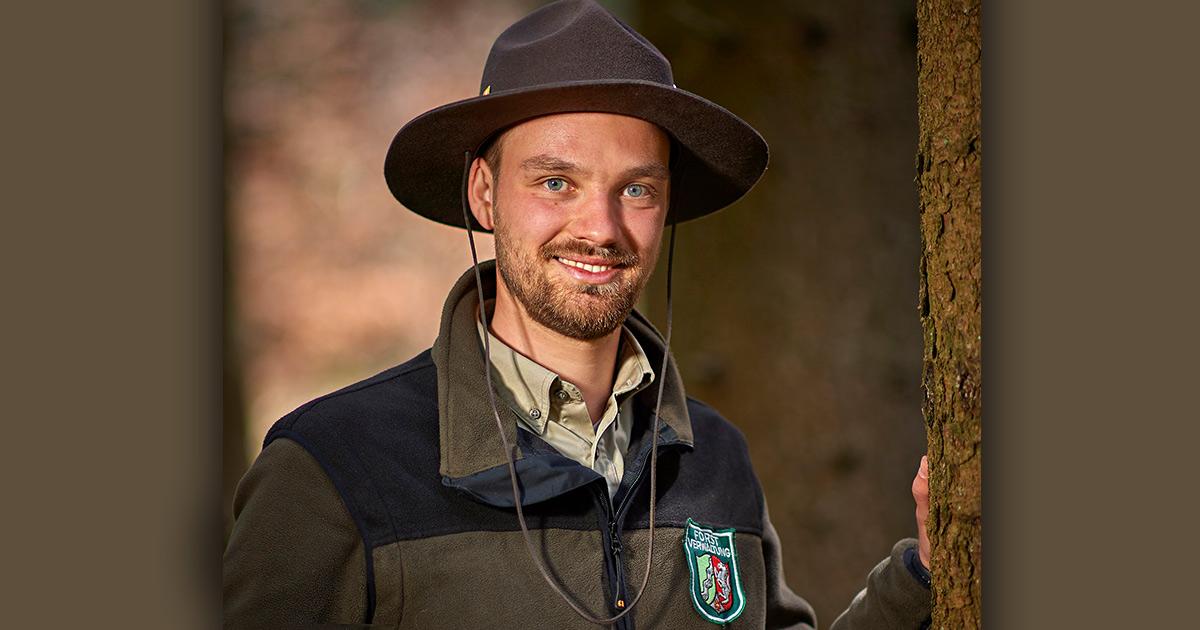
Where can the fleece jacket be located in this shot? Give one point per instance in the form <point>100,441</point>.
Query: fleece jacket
<point>389,503</point>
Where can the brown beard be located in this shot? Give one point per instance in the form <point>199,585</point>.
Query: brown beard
<point>574,309</point>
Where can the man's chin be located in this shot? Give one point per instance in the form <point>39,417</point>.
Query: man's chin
<point>571,307</point>
<point>586,332</point>
<point>585,317</point>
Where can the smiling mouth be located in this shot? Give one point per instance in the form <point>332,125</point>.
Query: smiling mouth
<point>585,266</point>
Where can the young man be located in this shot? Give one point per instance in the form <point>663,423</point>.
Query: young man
<point>540,466</point>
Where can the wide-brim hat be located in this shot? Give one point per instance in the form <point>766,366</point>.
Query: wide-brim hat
<point>574,56</point>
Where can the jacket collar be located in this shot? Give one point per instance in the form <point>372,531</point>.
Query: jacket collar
<point>469,446</point>
<point>524,385</point>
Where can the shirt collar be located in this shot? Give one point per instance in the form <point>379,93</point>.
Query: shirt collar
<point>526,386</point>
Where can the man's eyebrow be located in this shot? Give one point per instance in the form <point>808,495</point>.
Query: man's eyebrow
<point>549,163</point>
<point>652,171</point>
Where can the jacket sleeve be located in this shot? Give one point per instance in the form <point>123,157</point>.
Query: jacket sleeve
<point>295,555</point>
<point>897,595</point>
<point>785,609</point>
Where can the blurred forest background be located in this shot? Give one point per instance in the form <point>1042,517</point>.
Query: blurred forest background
<point>796,309</point>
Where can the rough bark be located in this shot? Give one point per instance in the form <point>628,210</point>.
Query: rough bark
<point>949,162</point>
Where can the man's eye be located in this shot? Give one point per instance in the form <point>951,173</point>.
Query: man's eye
<point>555,184</point>
<point>636,190</point>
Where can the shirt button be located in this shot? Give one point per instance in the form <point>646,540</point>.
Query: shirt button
<point>535,413</point>
<point>562,395</point>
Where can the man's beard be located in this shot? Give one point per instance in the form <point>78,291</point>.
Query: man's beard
<point>571,308</point>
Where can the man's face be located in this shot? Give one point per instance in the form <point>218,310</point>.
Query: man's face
<point>578,208</point>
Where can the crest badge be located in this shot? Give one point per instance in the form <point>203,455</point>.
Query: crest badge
<point>716,586</point>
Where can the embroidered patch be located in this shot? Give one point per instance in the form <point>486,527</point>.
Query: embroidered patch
<point>716,586</point>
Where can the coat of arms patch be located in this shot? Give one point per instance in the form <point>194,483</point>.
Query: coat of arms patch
<point>716,586</point>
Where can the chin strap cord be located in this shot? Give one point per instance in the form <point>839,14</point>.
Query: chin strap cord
<point>509,451</point>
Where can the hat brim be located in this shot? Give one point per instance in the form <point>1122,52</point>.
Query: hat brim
<point>721,157</point>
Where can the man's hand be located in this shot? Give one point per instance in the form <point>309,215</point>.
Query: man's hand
<point>920,490</point>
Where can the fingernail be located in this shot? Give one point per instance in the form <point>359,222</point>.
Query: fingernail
<point>923,471</point>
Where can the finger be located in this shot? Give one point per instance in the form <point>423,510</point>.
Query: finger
<point>920,489</point>
<point>920,486</point>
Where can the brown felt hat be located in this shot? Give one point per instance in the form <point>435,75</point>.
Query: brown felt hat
<point>574,56</point>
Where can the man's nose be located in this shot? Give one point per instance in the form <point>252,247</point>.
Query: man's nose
<point>598,219</point>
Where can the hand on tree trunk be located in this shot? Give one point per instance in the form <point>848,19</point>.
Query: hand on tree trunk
<point>920,490</point>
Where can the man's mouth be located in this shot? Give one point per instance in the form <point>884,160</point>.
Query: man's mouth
<point>592,268</point>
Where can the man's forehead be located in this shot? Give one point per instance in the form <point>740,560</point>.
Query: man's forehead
<point>544,139</point>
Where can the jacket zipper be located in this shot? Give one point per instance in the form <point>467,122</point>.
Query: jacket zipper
<point>613,555</point>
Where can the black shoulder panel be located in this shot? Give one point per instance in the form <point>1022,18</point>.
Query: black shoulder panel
<point>378,441</point>
<point>713,483</point>
<point>365,432</point>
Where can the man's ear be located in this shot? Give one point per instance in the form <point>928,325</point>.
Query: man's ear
<point>481,193</point>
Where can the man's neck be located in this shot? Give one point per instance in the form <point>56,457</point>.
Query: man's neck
<point>587,364</point>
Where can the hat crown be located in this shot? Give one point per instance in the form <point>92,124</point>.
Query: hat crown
<point>571,40</point>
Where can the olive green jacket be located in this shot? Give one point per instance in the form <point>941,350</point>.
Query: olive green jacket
<point>388,503</point>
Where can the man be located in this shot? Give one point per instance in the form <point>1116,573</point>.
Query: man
<point>540,466</point>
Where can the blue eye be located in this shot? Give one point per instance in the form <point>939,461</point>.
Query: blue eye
<point>555,184</point>
<point>635,190</point>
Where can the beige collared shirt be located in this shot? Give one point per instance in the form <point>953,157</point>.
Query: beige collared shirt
<point>554,409</point>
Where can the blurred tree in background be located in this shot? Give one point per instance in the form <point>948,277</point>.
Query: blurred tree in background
<point>796,307</point>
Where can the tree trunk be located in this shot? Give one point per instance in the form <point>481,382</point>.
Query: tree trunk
<point>949,160</point>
